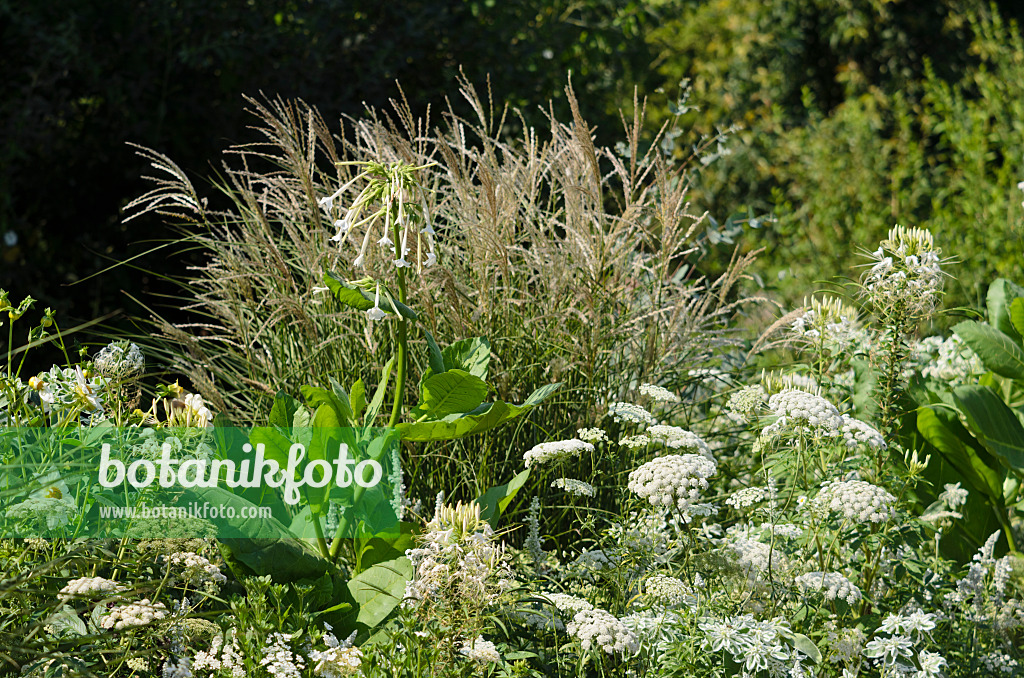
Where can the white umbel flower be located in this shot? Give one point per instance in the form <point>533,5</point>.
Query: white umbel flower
<point>804,412</point>
<point>599,629</point>
<point>658,393</point>
<point>91,587</point>
<point>558,450</point>
<point>830,584</point>
<point>674,480</point>
<point>136,614</point>
<point>676,438</point>
<point>856,432</point>
<point>631,414</point>
<point>857,500</point>
<point>481,651</point>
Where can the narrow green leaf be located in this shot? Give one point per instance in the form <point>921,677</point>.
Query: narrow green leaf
<point>541,394</point>
<point>434,355</point>
<point>494,501</point>
<point>999,353</point>
<point>361,300</point>
<point>378,396</point>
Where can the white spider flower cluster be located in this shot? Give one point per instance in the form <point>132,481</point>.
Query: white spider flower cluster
<point>630,414</point>
<point>599,629</point>
<point>190,411</point>
<point>120,361</point>
<point>674,480</point>
<point>135,614</point>
<point>906,276</point>
<point>556,451</point>
<point>196,571</point>
<point>856,432</point>
<point>636,442</point>
<point>90,587</point>
<point>481,651</point>
<point>574,487</point>
<point>458,562</point>
<point>388,199</point>
<point>278,658</point>
<point>832,585</point>
<point>676,438</point>
<point>856,500</point>
<point>953,495</point>
<point>776,382</point>
<point>224,656</point>
<point>658,394</point>
<point>592,435</point>
<point>747,400</point>
<point>668,592</point>
<point>827,321</point>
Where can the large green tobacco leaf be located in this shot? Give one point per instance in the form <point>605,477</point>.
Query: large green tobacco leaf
<point>357,298</point>
<point>378,590</point>
<point>483,418</point>
<point>451,392</point>
<point>993,423</point>
<point>472,355</point>
<point>999,353</point>
<point>999,301</point>
<point>979,476</point>
<point>494,501</point>
<point>1017,315</point>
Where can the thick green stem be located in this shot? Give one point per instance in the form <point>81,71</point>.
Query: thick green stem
<point>403,337</point>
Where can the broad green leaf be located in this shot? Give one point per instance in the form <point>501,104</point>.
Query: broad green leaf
<point>998,352</point>
<point>434,355</point>
<point>380,549</point>
<point>378,396</point>
<point>283,411</point>
<point>378,590</point>
<point>359,299</point>
<point>1017,315</point>
<point>494,501</point>
<point>1001,294</point>
<point>541,394</point>
<point>316,397</point>
<point>358,399</point>
<point>805,645</point>
<point>451,392</point>
<point>472,355</point>
<point>498,413</point>
<point>993,423</point>
<point>339,391</point>
<point>979,476</point>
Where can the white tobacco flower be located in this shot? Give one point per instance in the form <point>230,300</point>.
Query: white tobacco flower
<point>674,480</point>
<point>658,393</point>
<point>136,614</point>
<point>574,487</point>
<point>481,651</point>
<point>599,629</point>
<point>856,432</point>
<point>631,414</point>
<point>559,450</point>
<point>376,314</point>
<point>832,585</point>
<point>857,500</point>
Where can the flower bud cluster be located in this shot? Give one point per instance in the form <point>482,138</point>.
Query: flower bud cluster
<point>674,480</point>
<point>906,276</point>
<point>826,321</point>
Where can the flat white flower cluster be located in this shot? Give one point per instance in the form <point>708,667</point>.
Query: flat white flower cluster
<point>668,591</point>
<point>574,487</point>
<point>458,561</point>
<point>592,435</point>
<point>224,655</point>
<point>804,413</point>
<point>831,584</point>
<point>784,530</point>
<point>674,480</point>
<point>599,629</point>
<point>90,587</point>
<point>856,432</point>
<point>676,438</point>
<point>481,651</point>
<point>196,571</point>
<point>755,557</point>
<point>568,604</point>
<point>278,658</point>
<point>856,500</point>
<point>556,451</point>
<point>636,442</point>
<point>658,393</point>
<point>746,497</point>
<point>134,614</point>
<point>631,414</point>
<point>906,275</point>
<point>747,400</point>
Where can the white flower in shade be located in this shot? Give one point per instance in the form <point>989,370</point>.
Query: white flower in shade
<point>343,226</point>
<point>556,451</point>
<point>278,658</point>
<point>889,649</point>
<point>674,480</point>
<point>599,629</point>
<point>326,204</point>
<point>337,661</point>
<point>746,497</point>
<point>636,442</point>
<point>658,393</point>
<point>857,500</point>
<point>376,313</point>
<point>136,614</point>
<point>481,651</point>
<point>431,259</point>
<point>953,495</point>
<point>631,414</point>
<point>832,585</point>
<point>669,592</point>
<point>931,664</point>
<point>747,400</point>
